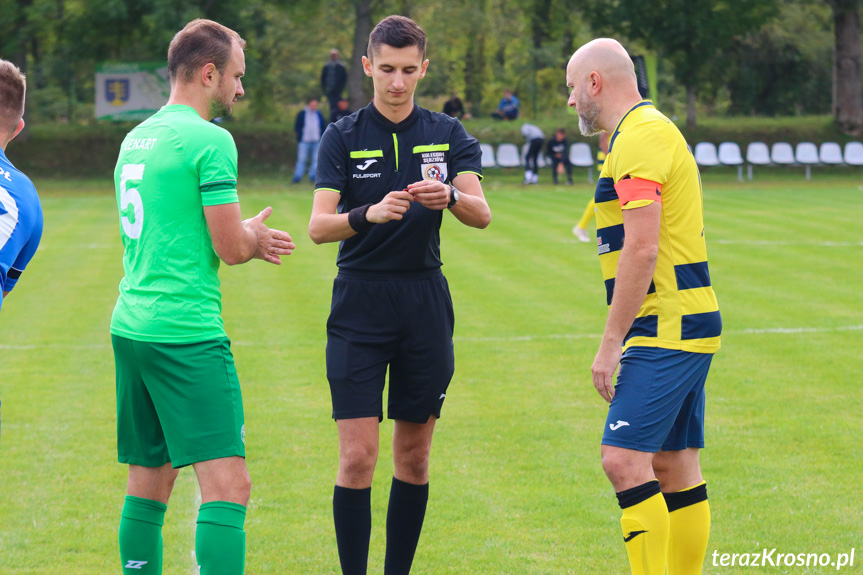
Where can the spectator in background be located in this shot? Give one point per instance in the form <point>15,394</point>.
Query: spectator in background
<point>340,111</point>
<point>508,107</point>
<point>334,77</point>
<point>455,108</point>
<point>309,127</point>
<point>535,137</point>
<point>556,150</point>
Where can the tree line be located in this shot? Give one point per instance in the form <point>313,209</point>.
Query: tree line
<point>738,57</point>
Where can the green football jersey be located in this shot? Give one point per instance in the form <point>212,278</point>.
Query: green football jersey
<point>169,167</point>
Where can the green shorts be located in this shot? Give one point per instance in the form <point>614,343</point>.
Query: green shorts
<point>177,403</point>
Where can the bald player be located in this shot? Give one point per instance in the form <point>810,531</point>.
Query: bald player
<point>663,321</point>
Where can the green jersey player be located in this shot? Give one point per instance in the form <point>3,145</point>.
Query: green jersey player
<point>178,397</point>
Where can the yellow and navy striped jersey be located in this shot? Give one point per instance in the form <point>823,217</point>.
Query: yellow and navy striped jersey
<point>680,310</point>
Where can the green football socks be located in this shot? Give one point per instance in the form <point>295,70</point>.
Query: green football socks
<point>220,542</point>
<point>141,535</point>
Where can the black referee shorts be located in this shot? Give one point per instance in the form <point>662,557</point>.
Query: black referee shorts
<point>404,323</point>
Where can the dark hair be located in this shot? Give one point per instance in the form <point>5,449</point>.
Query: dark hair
<point>13,87</point>
<point>201,42</point>
<point>398,32</point>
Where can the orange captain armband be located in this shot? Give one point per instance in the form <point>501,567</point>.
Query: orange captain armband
<point>632,189</point>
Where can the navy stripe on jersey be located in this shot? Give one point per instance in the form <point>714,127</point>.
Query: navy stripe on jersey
<point>609,289</point>
<point>700,325</point>
<point>13,274</point>
<point>609,239</point>
<point>646,326</point>
<point>605,191</point>
<point>691,276</point>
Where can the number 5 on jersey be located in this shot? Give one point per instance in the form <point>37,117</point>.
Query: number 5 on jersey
<point>133,225</point>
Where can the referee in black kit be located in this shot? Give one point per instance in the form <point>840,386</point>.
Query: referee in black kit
<point>386,175</point>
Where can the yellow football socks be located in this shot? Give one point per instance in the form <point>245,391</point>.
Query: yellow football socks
<point>689,515</point>
<point>587,216</point>
<point>645,528</point>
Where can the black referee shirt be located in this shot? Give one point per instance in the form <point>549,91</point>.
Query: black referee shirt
<point>365,156</point>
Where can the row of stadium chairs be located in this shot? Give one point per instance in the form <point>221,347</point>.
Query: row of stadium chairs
<point>509,156</point>
<point>781,153</point>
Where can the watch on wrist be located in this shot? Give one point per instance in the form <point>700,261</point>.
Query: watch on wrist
<point>453,197</point>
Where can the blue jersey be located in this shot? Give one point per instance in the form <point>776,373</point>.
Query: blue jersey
<point>20,223</point>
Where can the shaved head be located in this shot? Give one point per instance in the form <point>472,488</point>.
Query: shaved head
<point>603,55</point>
<point>602,78</point>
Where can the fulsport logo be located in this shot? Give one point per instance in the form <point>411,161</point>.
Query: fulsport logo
<point>618,425</point>
<point>368,163</point>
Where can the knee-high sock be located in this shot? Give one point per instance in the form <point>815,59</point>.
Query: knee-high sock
<point>141,535</point>
<point>405,515</point>
<point>352,514</point>
<point>220,542</point>
<point>689,515</point>
<point>645,528</point>
<point>587,215</point>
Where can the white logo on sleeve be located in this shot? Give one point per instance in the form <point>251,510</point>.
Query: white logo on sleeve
<point>443,395</point>
<point>134,564</point>
<point>365,166</point>
<point>618,425</point>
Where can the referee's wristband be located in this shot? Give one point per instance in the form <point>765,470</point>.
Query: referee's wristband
<point>357,219</point>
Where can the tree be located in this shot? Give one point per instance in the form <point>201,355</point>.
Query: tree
<point>847,89</point>
<point>689,33</point>
<point>356,75</point>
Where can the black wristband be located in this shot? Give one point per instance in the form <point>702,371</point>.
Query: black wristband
<point>357,219</point>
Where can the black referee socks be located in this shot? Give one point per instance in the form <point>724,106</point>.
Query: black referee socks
<point>407,509</point>
<point>352,514</point>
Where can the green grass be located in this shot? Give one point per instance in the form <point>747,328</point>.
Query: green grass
<point>516,482</point>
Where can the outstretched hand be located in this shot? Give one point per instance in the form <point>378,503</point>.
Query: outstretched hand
<point>271,243</point>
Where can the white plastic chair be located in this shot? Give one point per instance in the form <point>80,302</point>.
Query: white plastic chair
<point>487,156</point>
<point>782,153</point>
<point>729,155</point>
<point>581,156</point>
<point>830,153</point>
<point>508,156</point>
<point>806,153</point>
<point>705,154</point>
<point>854,154</point>
<point>758,154</point>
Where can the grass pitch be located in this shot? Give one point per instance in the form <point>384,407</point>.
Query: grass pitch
<point>516,482</point>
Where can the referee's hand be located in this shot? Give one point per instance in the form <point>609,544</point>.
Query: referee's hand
<point>431,193</point>
<point>392,207</point>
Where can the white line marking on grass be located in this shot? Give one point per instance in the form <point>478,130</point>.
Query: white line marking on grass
<point>787,243</point>
<point>747,331</point>
<point>81,246</point>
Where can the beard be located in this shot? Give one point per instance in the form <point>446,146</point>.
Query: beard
<point>588,117</point>
<point>223,103</point>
